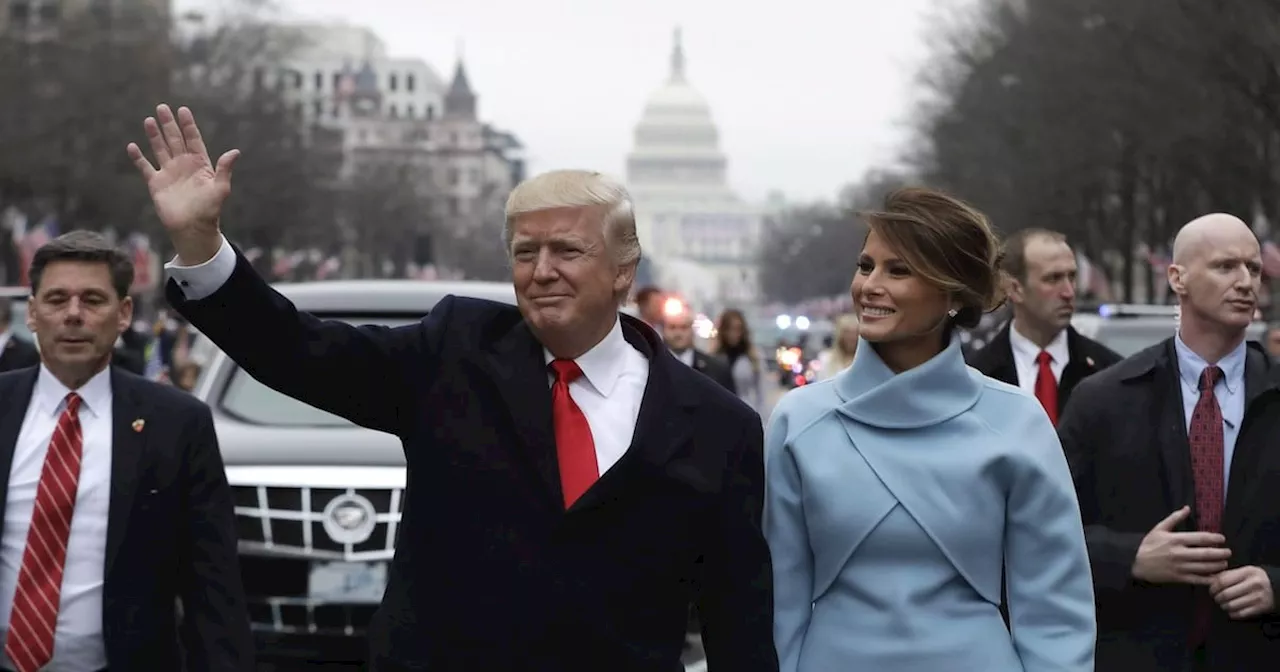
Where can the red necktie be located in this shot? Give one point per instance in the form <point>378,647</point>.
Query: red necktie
<point>575,449</point>
<point>1047,386</point>
<point>35,604</point>
<point>1207,445</point>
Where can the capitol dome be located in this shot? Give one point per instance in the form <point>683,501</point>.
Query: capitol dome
<point>676,141</point>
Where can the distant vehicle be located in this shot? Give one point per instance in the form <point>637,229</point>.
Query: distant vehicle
<point>20,295</point>
<point>1130,328</point>
<point>318,499</point>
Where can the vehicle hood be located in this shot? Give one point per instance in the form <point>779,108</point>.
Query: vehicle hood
<point>254,445</point>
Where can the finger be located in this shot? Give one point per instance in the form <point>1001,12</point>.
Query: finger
<point>169,127</point>
<point>1245,606</point>
<point>222,173</point>
<point>1201,553</point>
<point>1225,595</point>
<point>1171,521</point>
<point>191,133</point>
<point>1205,569</point>
<point>140,161</point>
<point>1199,539</point>
<point>1193,579</point>
<point>158,146</point>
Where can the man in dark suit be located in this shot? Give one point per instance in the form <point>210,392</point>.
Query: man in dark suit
<point>678,330</point>
<point>1038,350</point>
<point>15,353</point>
<point>571,486</point>
<point>1185,573</point>
<point>116,506</point>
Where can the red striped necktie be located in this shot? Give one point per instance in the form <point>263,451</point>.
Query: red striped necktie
<point>35,604</point>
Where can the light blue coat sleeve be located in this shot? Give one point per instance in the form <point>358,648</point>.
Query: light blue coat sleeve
<point>786,533</point>
<point>1051,607</point>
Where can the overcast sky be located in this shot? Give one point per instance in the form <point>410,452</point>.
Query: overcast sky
<point>807,94</point>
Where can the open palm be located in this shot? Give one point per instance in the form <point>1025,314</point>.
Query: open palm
<point>187,190</point>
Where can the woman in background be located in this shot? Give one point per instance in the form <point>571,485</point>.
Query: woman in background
<point>733,345</point>
<point>896,494</point>
<point>839,356</point>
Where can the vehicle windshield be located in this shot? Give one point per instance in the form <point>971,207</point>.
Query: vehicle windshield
<point>248,400</point>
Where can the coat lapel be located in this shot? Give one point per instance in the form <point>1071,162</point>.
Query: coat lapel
<point>1003,368</point>
<point>517,365</point>
<point>14,399</point>
<point>1171,430</point>
<point>128,449</point>
<point>1079,366</point>
<point>1250,448</point>
<point>663,426</point>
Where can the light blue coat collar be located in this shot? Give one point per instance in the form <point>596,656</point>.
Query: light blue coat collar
<point>929,394</point>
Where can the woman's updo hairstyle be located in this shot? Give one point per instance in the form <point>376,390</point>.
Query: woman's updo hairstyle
<point>948,243</point>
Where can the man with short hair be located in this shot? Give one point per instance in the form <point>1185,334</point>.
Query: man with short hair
<point>116,506</point>
<point>571,486</point>
<point>15,352</point>
<point>1173,453</point>
<point>678,328</point>
<point>651,304</point>
<point>1039,350</point>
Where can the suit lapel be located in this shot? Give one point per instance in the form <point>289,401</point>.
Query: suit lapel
<point>128,449</point>
<point>1079,366</point>
<point>14,399</point>
<point>663,426</point>
<point>518,367</point>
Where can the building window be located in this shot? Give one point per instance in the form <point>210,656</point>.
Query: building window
<point>431,112</point>
<point>453,177</point>
<point>319,80</point>
<point>49,12</point>
<point>393,83</point>
<point>408,111</point>
<point>409,82</point>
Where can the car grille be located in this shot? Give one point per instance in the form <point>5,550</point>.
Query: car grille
<point>290,521</point>
<point>282,534</point>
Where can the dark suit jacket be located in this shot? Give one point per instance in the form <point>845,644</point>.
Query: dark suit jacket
<point>1087,357</point>
<point>490,572</point>
<point>715,369</point>
<point>18,354</point>
<point>1125,435</point>
<point>170,530</point>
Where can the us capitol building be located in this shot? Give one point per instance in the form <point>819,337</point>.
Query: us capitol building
<point>701,238</point>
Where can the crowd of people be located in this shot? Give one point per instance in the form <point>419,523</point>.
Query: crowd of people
<point>580,482</point>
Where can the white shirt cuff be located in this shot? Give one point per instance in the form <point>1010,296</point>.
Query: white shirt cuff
<point>198,282</point>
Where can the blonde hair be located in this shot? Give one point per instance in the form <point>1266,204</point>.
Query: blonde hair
<point>843,357</point>
<point>579,189</point>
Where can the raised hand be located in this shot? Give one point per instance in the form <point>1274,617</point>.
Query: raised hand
<point>187,190</point>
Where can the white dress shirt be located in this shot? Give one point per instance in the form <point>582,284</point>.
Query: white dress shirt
<point>1025,353</point>
<point>686,356</point>
<point>609,392</point>
<point>4,338</point>
<point>78,644</point>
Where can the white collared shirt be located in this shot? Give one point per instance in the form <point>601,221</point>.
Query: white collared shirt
<point>78,643</point>
<point>4,338</point>
<point>1025,353</point>
<point>686,356</point>
<point>609,392</point>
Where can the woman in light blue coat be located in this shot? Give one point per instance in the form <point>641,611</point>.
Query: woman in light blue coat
<point>899,491</point>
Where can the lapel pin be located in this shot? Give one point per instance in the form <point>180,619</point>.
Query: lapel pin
<point>1089,361</point>
<point>139,424</point>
